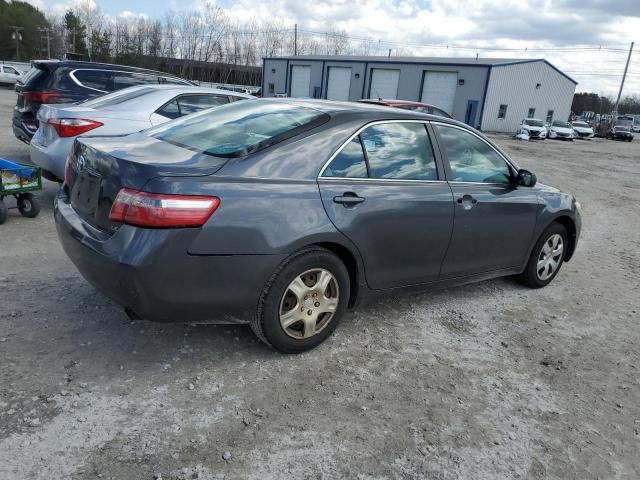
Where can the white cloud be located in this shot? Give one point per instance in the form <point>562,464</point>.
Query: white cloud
<point>406,24</point>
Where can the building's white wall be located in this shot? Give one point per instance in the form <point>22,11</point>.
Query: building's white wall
<point>515,86</point>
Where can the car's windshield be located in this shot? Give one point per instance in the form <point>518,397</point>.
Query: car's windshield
<point>580,124</point>
<point>239,128</point>
<point>533,122</point>
<point>621,128</point>
<point>116,98</point>
<point>561,124</point>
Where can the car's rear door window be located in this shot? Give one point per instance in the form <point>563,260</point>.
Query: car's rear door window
<point>170,110</point>
<point>239,128</point>
<point>130,79</point>
<point>94,79</point>
<point>399,150</point>
<point>349,163</point>
<point>471,159</point>
<point>194,103</point>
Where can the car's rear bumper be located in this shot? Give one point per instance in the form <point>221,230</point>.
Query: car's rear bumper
<point>151,275</point>
<point>20,124</point>
<point>52,157</point>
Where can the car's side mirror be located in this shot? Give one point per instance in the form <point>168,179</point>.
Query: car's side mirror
<point>526,178</point>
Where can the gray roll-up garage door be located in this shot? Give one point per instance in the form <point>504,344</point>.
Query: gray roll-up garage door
<point>384,83</point>
<point>339,83</point>
<point>300,81</point>
<point>439,89</point>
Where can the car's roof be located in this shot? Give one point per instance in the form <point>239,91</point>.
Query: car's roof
<point>187,89</point>
<point>383,101</point>
<point>101,66</point>
<point>370,111</point>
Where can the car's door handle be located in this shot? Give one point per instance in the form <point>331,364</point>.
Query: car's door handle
<point>467,202</point>
<point>348,199</point>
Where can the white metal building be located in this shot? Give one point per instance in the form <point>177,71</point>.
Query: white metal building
<point>489,93</point>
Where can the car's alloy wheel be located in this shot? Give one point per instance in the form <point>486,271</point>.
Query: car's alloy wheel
<point>309,303</point>
<point>303,302</point>
<point>546,257</point>
<point>550,257</point>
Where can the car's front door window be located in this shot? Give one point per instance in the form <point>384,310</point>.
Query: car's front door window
<point>195,103</point>
<point>471,159</point>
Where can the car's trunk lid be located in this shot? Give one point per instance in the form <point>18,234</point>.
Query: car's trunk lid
<point>99,167</point>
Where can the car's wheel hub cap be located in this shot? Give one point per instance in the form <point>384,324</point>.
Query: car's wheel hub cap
<point>309,303</point>
<point>550,257</point>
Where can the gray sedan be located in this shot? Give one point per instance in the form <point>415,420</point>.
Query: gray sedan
<point>124,111</point>
<point>286,213</point>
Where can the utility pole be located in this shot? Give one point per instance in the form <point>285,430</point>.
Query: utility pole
<point>295,40</point>
<point>17,36</point>
<point>624,76</point>
<point>47,30</point>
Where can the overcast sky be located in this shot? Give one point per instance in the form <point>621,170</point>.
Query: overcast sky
<point>555,26</point>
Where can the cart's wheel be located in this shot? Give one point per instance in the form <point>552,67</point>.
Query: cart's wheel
<point>28,205</point>
<point>3,211</point>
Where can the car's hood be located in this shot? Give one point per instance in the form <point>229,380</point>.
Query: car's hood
<point>533,128</point>
<point>583,129</point>
<point>561,129</point>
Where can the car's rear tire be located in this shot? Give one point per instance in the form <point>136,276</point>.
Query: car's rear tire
<point>546,257</point>
<point>28,205</point>
<point>303,301</point>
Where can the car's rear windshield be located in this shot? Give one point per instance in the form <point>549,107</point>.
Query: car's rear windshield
<point>580,124</point>
<point>31,76</point>
<point>534,123</point>
<point>116,98</point>
<point>239,128</point>
<point>561,124</point>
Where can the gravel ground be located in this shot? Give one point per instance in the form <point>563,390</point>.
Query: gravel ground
<point>486,381</point>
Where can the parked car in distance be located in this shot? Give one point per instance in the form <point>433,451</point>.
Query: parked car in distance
<point>534,128</point>
<point>408,105</point>
<point>9,74</point>
<point>124,111</point>
<point>561,131</point>
<point>53,81</point>
<point>285,213</point>
<point>620,132</point>
<point>582,129</point>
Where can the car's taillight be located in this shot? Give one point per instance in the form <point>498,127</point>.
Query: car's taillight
<point>159,210</point>
<point>72,127</point>
<point>42,97</point>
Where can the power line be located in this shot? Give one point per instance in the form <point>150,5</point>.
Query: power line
<point>592,48</point>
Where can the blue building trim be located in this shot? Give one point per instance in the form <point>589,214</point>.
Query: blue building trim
<point>286,80</point>
<point>323,82</point>
<point>262,91</point>
<point>406,62</point>
<point>484,97</point>
<point>364,77</point>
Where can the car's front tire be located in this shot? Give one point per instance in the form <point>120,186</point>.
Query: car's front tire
<point>303,302</point>
<point>546,257</point>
